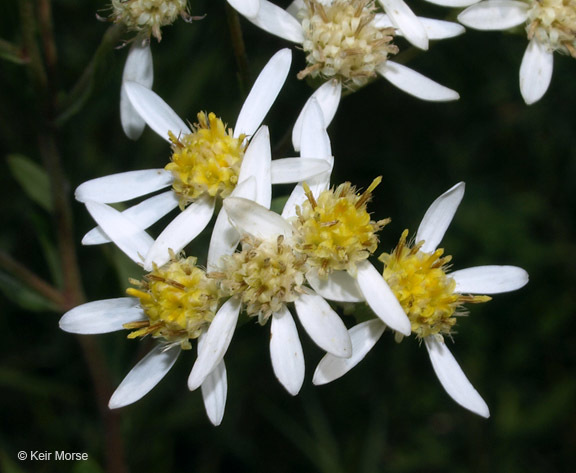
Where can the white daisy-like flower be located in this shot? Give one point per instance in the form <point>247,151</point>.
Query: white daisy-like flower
<point>349,41</point>
<point>207,162</point>
<point>550,27</point>
<point>174,304</point>
<point>267,276</point>
<point>432,297</point>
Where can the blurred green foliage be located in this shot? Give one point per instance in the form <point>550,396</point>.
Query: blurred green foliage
<point>389,414</point>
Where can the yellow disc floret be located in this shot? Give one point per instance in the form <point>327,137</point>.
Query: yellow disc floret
<point>265,275</point>
<point>342,41</point>
<point>335,230</point>
<point>179,300</point>
<point>553,23</point>
<point>148,16</point>
<point>424,289</point>
<point>206,161</point>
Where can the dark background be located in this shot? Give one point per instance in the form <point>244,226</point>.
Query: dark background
<point>390,413</point>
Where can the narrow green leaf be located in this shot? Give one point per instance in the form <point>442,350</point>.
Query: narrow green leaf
<point>32,178</point>
<point>24,296</point>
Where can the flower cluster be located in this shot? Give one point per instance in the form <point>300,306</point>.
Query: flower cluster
<point>271,266</point>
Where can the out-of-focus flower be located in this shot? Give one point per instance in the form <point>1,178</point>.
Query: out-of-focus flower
<point>432,297</point>
<point>550,27</point>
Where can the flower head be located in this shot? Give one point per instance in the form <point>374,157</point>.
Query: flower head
<point>208,162</point>
<point>335,230</point>
<point>147,17</point>
<point>421,283</point>
<point>350,41</point>
<point>174,303</point>
<point>431,296</point>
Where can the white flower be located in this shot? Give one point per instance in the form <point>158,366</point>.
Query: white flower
<point>152,312</point>
<point>337,48</point>
<point>431,298</point>
<point>207,163</point>
<point>550,27</point>
<point>267,275</point>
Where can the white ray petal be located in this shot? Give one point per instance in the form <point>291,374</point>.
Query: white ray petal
<point>274,20</point>
<point>406,21</point>
<point>132,240</point>
<point>314,140</point>
<point>327,97</point>
<point>381,299</point>
<point>453,3</point>
<point>156,113</point>
<point>439,29</point>
<point>535,71</point>
<point>247,8</point>
<point>338,286</point>
<point>143,215</point>
<point>215,342</point>
<point>256,164</point>
<point>323,325</point>
<point>250,217</point>
<point>438,217</point>
<point>453,378</point>
<point>138,68</point>
<point>214,393</point>
<point>489,279</point>
<point>181,231</point>
<point>364,336</point>
<point>288,170</point>
<point>416,84</point>
<point>494,15</point>
<point>123,186</point>
<point>435,29</point>
<point>263,93</point>
<point>103,316</point>
<point>225,237</point>
<point>286,351</point>
<point>144,376</point>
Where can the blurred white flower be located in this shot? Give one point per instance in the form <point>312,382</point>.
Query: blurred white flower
<point>431,297</point>
<point>550,27</point>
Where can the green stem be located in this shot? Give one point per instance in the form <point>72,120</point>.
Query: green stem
<point>239,48</point>
<point>31,280</point>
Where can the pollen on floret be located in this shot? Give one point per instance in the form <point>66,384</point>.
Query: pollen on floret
<point>206,161</point>
<point>425,291</point>
<point>553,23</point>
<point>335,230</point>
<point>148,16</point>
<point>179,300</point>
<point>265,275</point>
<point>343,42</point>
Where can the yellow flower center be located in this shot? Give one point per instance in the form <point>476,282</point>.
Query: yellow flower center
<point>335,230</point>
<point>148,16</point>
<point>206,161</point>
<point>342,41</point>
<point>553,23</point>
<point>265,275</point>
<point>421,285</point>
<point>179,300</point>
